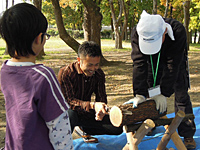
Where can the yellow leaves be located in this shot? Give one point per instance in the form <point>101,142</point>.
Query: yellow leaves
<point>163,2</point>
<point>65,3</point>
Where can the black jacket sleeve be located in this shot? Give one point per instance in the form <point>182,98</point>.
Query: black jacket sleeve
<point>173,56</point>
<point>140,68</point>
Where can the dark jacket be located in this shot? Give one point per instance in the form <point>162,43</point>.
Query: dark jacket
<point>171,56</point>
<point>78,88</point>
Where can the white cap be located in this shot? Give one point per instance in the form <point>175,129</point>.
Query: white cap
<point>150,29</point>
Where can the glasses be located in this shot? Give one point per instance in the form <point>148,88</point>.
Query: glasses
<point>47,35</point>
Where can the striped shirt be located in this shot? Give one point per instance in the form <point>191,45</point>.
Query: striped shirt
<point>32,98</point>
<point>77,87</point>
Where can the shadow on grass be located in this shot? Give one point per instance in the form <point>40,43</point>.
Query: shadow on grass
<point>2,139</point>
<point>112,63</point>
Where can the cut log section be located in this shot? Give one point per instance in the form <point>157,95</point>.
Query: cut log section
<point>126,114</point>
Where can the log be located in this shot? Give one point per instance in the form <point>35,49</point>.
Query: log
<point>134,140</point>
<point>170,130</point>
<point>176,138</point>
<point>126,114</point>
<point>158,122</point>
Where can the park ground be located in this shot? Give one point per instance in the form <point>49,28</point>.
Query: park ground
<point>118,73</point>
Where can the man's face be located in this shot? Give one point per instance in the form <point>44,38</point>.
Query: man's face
<point>89,64</point>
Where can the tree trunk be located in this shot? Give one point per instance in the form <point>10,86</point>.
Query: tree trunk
<point>166,8</point>
<point>186,7</point>
<point>190,36</point>
<point>154,7</point>
<point>87,25</point>
<point>112,29</point>
<point>92,23</point>
<point>38,5</point>
<point>71,42</point>
<point>171,10</point>
<point>6,49</point>
<point>195,36</point>
<point>6,4</point>
<point>116,21</point>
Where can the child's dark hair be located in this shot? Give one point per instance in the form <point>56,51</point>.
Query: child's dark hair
<point>89,48</point>
<point>19,26</point>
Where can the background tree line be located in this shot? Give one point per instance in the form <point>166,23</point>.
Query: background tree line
<point>88,17</point>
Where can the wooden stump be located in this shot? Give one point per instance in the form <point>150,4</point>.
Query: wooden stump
<point>170,130</point>
<point>126,114</point>
<point>175,137</point>
<point>134,140</point>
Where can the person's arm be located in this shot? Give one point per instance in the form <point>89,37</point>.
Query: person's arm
<point>174,55</point>
<point>101,97</point>
<point>57,132</point>
<point>67,82</point>
<point>140,73</point>
<point>52,107</point>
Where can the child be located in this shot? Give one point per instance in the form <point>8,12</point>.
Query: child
<point>36,111</point>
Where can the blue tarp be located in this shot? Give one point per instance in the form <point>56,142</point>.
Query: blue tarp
<point>113,142</point>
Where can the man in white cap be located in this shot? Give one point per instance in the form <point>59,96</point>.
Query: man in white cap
<point>159,54</point>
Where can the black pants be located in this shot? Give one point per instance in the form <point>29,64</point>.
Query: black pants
<point>91,126</point>
<point>182,102</point>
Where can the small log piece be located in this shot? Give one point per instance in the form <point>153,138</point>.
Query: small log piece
<point>134,140</point>
<point>176,138</point>
<point>170,130</point>
<point>126,114</point>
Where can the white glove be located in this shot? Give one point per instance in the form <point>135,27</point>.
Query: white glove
<point>136,100</point>
<point>161,102</point>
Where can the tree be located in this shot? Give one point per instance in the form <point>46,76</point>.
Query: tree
<point>186,7</point>
<point>92,21</point>
<point>194,25</point>
<point>117,20</point>
<point>60,25</point>
<point>62,32</point>
<point>166,8</point>
<point>38,5</point>
<point>154,6</point>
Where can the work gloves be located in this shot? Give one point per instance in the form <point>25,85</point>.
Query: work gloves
<point>161,101</point>
<point>136,100</point>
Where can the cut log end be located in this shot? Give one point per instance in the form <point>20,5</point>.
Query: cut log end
<point>116,115</point>
<point>149,123</point>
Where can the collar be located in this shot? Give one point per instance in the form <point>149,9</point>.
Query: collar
<point>77,66</point>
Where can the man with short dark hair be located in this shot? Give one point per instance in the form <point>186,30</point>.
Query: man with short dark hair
<point>79,81</point>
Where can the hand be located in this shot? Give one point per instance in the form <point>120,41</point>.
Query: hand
<point>100,109</point>
<point>161,102</point>
<point>85,105</point>
<point>136,100</point>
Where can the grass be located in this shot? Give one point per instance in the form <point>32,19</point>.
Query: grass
<point>55,44</point>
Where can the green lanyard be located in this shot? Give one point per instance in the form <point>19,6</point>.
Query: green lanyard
<point>155,74</point>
